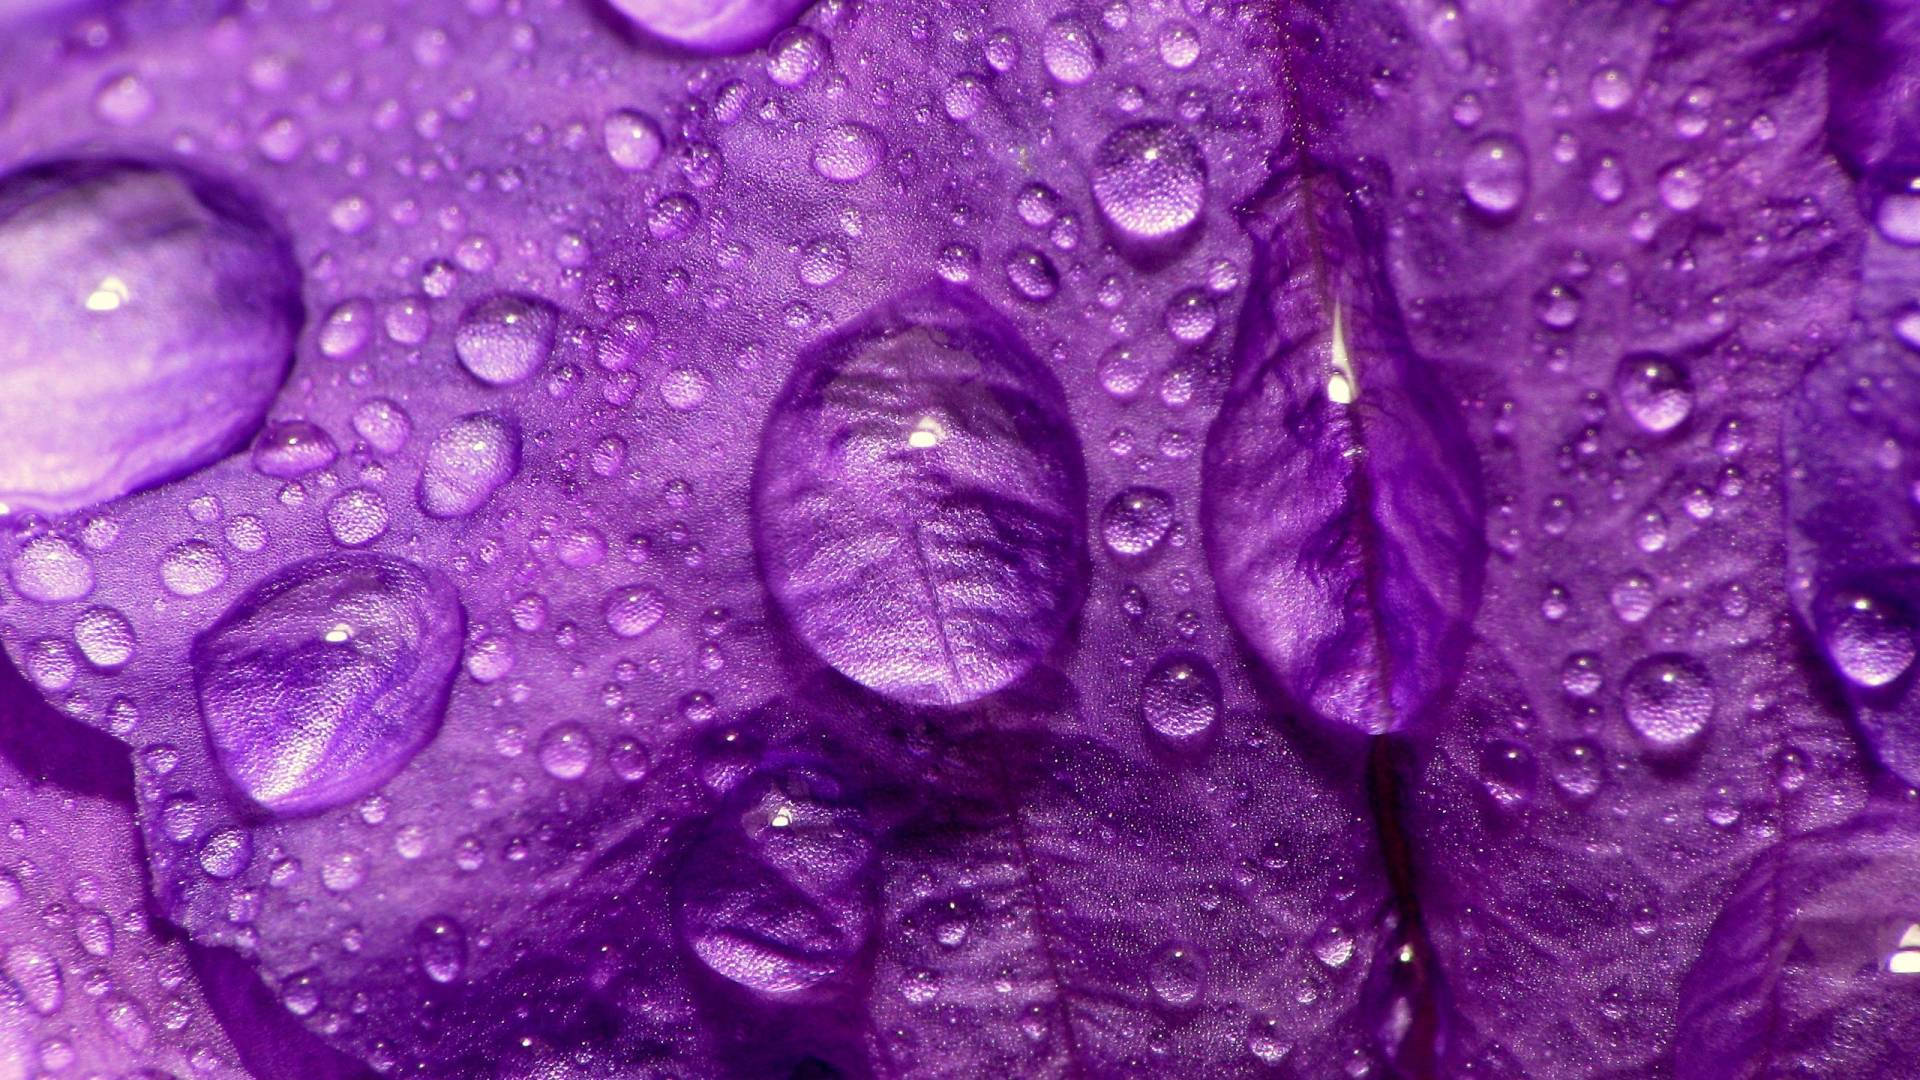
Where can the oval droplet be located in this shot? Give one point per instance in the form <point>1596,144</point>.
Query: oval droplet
<point>916,502</point>
<point>1068,50</point>
<point>293,448</point>
<point>848,152</point>
<point>474,457</point>
<point>441,946</point>
<point>1178,974</point>
<point>49,570</point>
<point>504,338</point>
<point>323,681</point>
<point>1494,175</point>
<point>566,751</point>
<point>1150,179</point>
<point>105,637</point>
<point>152,314</point>
<point>633,610</point>
<point>1668,699</point>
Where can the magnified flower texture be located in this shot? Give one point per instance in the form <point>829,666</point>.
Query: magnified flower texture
<point>710,539</point>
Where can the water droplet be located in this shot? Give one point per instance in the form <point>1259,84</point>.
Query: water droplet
<point>794,56</point>
<point>1494,175</point>
<point>1191,316</point>
<point>384,424</point>
<point>1136,520</point>
<point>1068,50</point>
<point>1178,974</point>
<point>441,945</point>
<point>474,457</point>
<point>104,637</point>
<point>1654,390</point>
<point>566,751</point>
<point>847,152</point>
<point>1507,771</point>
<point>1898,215</point>
<point>1180,697</point>
<point>293,448</point>
<point>49,570</point>
<point>225,854</point>
<point>822,260</point>
<point>1580,675</point>
<point>505,338</point>
<point>1871,639</point>
<point>632,139</point>
<point>1031,274</point>
<point>633,610</point>
<point>685,389</point>
<point>346,329</point>
<point>136,295</point>
<point>1611,89</point>
<point>284,678</point>
<point>705,28</point>
<point>1668,699</point>
<point>193,567</point>
<point>343,871</point>
<point>1150,179</point>
<point>1179,45</point>
<point>1681,188</point>
<point>37,975</point>
<point>1557,306</point>
<point>966,95</point>
<point>357,516</point>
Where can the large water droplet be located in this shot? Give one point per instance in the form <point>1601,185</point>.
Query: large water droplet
<point>1136,520</point>
<point>1178,974</point>
<point>1654,390</point>
<point>49,569</point>
<point>37,975</point>
<point>566,751</point>
<point>1068,50</point>
<point>917,501</point>
<point>324,680</point>
<point>104,636</point>
<point>473,458</point>
<point>505,338</point>
<point>1494,175</point>
<point>1150,179</point>
<point>633,140</point>
<point>151,314</point>
<point>1180,697</point>
<point>1668,699</point>
<point>1870,638</point>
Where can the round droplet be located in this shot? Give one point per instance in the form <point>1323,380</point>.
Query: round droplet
<point>193,567</point>
<point>1494,175</point>
<point>384,424</point>
<point>1681,187</point>
<point>1150,179</point>
<point>441,946</point>
<point>794,56</point>
<point>1124,370</point>
<point>1610,89</point>
<point>633,610</point>
<point>632,139</point>
<point>566,751</point>
<point>1668,699</point>
<point>966,95</point>
<point>1870,638</point>
<point>225,854</point>
<point>1557,306</point>
<point>357,516</point>
<point>822,261</point>
<point>49,570</point>
<point>1180,697</point>
<point>151,317</point>
<point>1032,274</point>
<point>505,338</point>
<point>1136,520</point>
<point>1191,316</point>
<point>105,637</point>
<point>293,448</point>
<point>848,152</point>
<point>474,457</point>
<point>733,26</point>
<point>1068,50</point>
<point>1178,974</point>
<point>324,680</point>
<point>685,389</point>
<point>1654,390</point>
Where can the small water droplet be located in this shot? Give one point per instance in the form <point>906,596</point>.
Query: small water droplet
<point>1178,974</point>
<point>1668,699</point>
<point>847,152</point>
<point>1654,390</point>
<point>1180,697</point>
<point>566,751</point>
<point>1136,520</point>
<point>505,338</point>
<point>441,945</point>
<point>1494,175</point>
